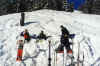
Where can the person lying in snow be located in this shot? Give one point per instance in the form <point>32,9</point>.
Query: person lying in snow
<point>26,35</point>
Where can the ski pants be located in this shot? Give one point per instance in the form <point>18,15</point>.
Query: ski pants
<point>65,42</point>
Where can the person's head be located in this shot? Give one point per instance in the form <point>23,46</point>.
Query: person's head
<point>42,31</point>
<point>26,30</point>
<point>61,26</point>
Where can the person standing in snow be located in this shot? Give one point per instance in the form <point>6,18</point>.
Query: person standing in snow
<point>26,35</point>
<point>64,39</point>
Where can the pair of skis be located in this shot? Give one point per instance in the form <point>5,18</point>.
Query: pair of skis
<point>20,50</point>
<point>65,57</point>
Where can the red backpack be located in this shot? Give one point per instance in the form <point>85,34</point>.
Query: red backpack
<point>25,36</point>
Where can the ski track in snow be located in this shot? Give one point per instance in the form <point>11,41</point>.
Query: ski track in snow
<point>96,63</point>
<point>36,21</point>
<point>91,49</point>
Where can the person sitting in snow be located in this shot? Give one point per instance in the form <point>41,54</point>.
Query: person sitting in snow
<point>26,35</point>
<point>42,36</point>
<point>64,39</point>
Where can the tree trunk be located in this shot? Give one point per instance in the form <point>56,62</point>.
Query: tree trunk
<point>22,19</point>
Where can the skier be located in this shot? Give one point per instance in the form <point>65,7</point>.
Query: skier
<point>64,40</point>
<point>26,35</point>
<point>42,36</point>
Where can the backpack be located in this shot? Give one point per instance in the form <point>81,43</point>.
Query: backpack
<point>26,36</point>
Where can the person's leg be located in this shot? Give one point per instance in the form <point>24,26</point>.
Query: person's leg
<point>67,45</point>
<point>60,48</point>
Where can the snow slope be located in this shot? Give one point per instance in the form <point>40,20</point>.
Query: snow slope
<point>86,27</point>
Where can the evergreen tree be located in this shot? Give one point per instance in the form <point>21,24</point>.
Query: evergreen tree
<point>23,6</point>
<point>59,4</point>
<point>90,5</point>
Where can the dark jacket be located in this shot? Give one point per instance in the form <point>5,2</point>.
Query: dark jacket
<point>64,37</point>
<point>64,31</point>
<point>42,36</point>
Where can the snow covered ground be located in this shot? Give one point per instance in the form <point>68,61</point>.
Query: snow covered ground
<point>86,27</point>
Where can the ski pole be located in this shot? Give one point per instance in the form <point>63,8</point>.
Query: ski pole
<point>78,53</point>
<point>83,60</point>
<point>72,53</point>
<point>49,59</point>
<point>54,59</point>
<point>55,64</point>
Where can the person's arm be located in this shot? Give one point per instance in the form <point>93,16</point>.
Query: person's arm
<point>22,34</point>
